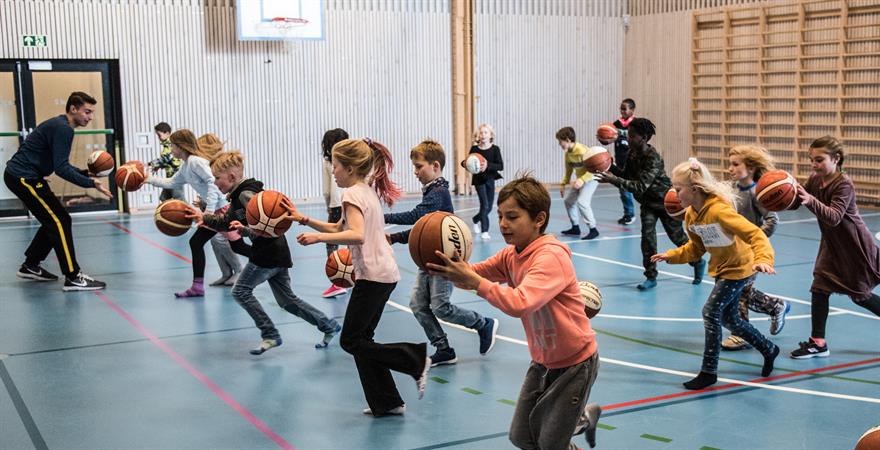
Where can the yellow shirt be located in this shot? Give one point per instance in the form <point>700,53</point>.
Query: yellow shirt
<point>574,162</point>
<point>734,244</point>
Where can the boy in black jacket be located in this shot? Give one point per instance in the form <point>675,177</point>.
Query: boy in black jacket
<point>430,297</point>
<point>269,260</point>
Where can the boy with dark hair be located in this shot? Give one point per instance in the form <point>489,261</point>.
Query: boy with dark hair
<point>166,161</point>
<point>542,290</point>
<point>578,202</point>
<point>44,151</point>
<point>430,297</point>
<point>621,153</point>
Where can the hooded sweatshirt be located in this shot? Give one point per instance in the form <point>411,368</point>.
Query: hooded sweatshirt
<point>734,243</point>
<point>542,290</point>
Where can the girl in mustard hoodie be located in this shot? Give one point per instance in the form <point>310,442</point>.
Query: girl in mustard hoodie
<point>737,248</point>
<point>542,290</point>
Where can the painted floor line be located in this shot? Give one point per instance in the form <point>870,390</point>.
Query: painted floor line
<point>700,319</point>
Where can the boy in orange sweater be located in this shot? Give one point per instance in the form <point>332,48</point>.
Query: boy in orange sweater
<point>542,290</point>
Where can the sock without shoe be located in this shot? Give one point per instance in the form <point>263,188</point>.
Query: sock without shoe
<point>702,381</point>
<point>196,290</point>
<point>265,344</point>
<point>768,361</point>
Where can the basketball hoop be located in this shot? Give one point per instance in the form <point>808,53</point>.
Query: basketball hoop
<point>282,24</point>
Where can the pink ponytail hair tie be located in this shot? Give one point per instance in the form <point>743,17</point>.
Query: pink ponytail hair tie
<point>695,165</point>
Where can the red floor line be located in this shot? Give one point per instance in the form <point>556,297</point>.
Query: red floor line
<point>170,252</point>
<point>217,390</point>
<point>733,385</point>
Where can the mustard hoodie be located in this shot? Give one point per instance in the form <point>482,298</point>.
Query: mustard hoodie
<point>734,244</point>
<point>574,162</point>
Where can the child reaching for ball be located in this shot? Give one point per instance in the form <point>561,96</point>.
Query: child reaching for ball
<point>269,260</point>
<point>737,248</point>
<point>849,260</point>
<point>542,290</point>
<point>430,296</point>
<point>362,229</point>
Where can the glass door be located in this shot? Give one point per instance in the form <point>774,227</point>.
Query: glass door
<point>10,135</point>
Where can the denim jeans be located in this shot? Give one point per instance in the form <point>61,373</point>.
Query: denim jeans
<point>279,281</point>
<point>430,301</point>
<point>722,308</point>
<point>580,201</point>
<point>626,198</point>
<point>486,194</point>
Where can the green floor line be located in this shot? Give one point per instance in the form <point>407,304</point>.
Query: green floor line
<point>709,448</point>
<point>507,402</point>
<point>605,427</point>
<point>472,391</point>
<point>656,438</point>
<point>745,363</point>
<point>439,380</point>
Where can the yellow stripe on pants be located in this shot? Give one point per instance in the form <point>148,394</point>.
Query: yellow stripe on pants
<point>57,223</point>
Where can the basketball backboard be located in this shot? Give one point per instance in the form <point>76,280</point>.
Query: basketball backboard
<point>274,20</point>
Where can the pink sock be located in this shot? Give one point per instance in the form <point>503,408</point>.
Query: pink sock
<point>819,341</point>
<point>196,290</point>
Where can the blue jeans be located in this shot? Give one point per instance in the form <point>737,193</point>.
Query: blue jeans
<point>626,198</point>
<point>722,308</point>
<point>486,194</point>
<point>430,301</point>
<point>279,280</point>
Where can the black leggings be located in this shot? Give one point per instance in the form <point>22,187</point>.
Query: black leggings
<point>197,247</point>
<point>820,306</point>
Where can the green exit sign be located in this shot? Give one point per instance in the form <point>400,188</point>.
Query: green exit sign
<point>34,40</point>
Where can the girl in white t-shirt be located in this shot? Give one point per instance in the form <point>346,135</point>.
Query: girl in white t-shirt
<point>362,167</point>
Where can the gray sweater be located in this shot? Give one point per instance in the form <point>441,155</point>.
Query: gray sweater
<point>747,206</point>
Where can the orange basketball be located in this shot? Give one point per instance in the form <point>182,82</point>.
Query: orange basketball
<point>592,297</point>
<point>442,231</point>
<point>597,159</point>
<point>130,176</point>
<point>266,213</point>
<point>870,440</point>
<point>607,133</point>
<point>339,268</point>
<point>100,163</point>
<point>673,205</point>
<point>170,217</point>
<point>777,191</point>
<point>476,163</point>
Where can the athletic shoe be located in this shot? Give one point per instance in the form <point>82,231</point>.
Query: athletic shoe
<point>265,345</point>
<point>220,281</point>
<point>649,283</point>
<point>487,334</point>
<point>477,228</point>
<point>588,421</point>
<point>398,411</point>
<point>593,234</point>
<point>328,337</point>
<point>734,343</point>
<point>777,321</point>
<point>422,380</point>
<point>333,291</point>
<point>443,356</point>
<point>626,220</point>
<point>35,273</point>
<point>575,230</point>
<point>809,349</point>
<point>82,282</point>
<point>485,236</point>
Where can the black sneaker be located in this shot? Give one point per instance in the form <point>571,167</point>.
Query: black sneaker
<point>809,349</point>
<point>626,220</point>
<point>593,234</point>
<point>573,231</point>
<point>35,273</point>
<point>443,356</point>
<point>487,335</point>
<point>83,282</point>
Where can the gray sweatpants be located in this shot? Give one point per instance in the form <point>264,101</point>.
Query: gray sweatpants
<point>550,403</point>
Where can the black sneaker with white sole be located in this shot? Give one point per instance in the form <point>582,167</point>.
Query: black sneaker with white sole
<point>809,349</point>
<point>83,282</point>
<point>35,273</point>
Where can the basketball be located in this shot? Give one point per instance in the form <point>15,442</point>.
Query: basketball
<point>607,133</point>
<point>442,231</point>
<point>673,205</point>
<point>777,191</point>
<point>870,440</point>
<point>267,213</point>
<point>475,163</point>
<point>592,298</point>
<point>339,269</point>
<point>597,159</point>
<point>170,217</point>
<point>130,176</point>
<point>100,163</point>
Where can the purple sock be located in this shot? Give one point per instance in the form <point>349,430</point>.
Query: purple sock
<point>196,290</point>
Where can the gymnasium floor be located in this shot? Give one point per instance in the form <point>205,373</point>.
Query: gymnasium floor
<point>134,368</point>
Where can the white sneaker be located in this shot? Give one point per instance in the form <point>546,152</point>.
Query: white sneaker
<point>477,229</point>
<point>395,411</point>
<point>422,380</point>
<point>485,236</point>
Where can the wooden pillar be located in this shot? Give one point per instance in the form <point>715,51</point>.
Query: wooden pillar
<point>462,33</point>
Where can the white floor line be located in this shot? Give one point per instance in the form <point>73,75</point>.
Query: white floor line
<point>700,319</point>
<point>795,300</point>
<point>674,372</point>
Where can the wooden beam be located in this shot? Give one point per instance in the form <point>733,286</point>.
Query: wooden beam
<point>462,34</point>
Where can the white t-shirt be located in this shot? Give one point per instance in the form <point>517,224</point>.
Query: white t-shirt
<point>196,172</point>
<point>374,259</point>
<point>332,192</point>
